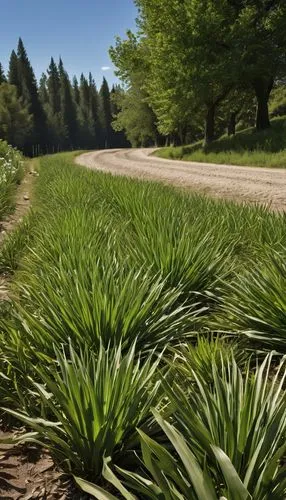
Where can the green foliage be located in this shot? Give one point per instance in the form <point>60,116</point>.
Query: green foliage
<point>224,440</point>
<point>189,58</point>
<point>94,404</point>
<point>11,172</point>
<point>256,303</point>
<point>277,103</point>
<point>28,90</point>
<point>209,351</point>
<point>2,75</point>
<point>15,119</point>
<point>135,117</point>
<point>15,244</point>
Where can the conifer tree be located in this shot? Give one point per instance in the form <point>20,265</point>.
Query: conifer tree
<point>43,91</point>
<point>13,73</point>
<point>2,75</point>
<point>53,86</point>
<point>105,114</point>
<point>75,90</point>
<point>15,120</point>
<point>29,92</point>
<point>68,108</point>
<point>87,131</point>
<point>94,111</point>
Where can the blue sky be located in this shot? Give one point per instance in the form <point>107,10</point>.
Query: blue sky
<point>80,31</point>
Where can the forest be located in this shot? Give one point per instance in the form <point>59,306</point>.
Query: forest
<point>56,114</point>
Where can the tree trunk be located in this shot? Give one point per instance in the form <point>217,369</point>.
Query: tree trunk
<point>262,89</point>
<point>231,124</point>
<point>209,125</point>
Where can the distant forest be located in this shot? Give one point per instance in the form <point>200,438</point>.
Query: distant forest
<point>56,114</point>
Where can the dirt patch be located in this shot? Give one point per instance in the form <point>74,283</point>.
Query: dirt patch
<point>9,223</point>
<point>22,205</point>
<point>244,184</point>
<point>28,472</point>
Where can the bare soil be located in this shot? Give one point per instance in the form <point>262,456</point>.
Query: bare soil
<point>244,184</point>
<point>27,472</point>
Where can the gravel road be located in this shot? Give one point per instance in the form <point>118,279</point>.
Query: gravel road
<point>245,184</point>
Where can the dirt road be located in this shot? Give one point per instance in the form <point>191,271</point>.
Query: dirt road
<point>246,184</point>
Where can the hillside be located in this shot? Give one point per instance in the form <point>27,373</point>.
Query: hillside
<point>247,147</point>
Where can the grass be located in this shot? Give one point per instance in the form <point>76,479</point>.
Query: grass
<point>11,173</point>
<point>136,341</point>
<point>247,147</point>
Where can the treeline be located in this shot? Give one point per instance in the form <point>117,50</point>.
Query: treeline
<point>57,114</point>
<point>196,68</point>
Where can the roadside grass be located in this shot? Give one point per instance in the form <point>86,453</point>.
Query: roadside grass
<point>136,340</point>
<point>247,147</point>
<point>11,173</point>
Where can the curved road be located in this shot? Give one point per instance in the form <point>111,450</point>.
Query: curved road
<point>246,184</point>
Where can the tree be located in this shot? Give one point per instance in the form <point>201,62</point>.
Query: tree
<point>105,114</point>
<point>261,39</point>
<point>135,118</point>
<point>94,110</point>
<point>29,93</point>
<point>67,107</point>
<point>134,114</point>
<point>43,91</point>
<point>3,78</point>
<point>53,85</point>
<point>76,90</point>
<point>119,137</point>
<point>191,65</point>
<point>13,73</point>
<point>15,120</point>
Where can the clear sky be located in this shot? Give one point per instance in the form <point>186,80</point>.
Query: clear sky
<point>80,31</point>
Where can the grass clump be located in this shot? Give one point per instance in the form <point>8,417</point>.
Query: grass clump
<point>247,147</point>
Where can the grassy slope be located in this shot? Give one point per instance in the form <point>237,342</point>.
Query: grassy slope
<point>248,147</point>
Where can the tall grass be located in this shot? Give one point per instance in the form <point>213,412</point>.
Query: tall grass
<point>115,271</point>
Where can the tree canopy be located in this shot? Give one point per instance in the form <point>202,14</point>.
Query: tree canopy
<point>189,56</point>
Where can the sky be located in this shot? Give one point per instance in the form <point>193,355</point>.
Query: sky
<point>80,31</point>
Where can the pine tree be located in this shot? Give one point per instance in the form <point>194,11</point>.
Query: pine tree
<point>76,90</point>
<point>43,91</point>
<point>2,75</point>
<point>105,114</point>
<point>15,120</point>
<point>53,86</point>
<point>29,92</point>
<point>68,107</point>
<point>13,73</point>
<point>94,111</point>
<point>87,132</point>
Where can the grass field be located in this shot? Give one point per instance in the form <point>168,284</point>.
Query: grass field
<point>137,346</point>
<point>248,147</point>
